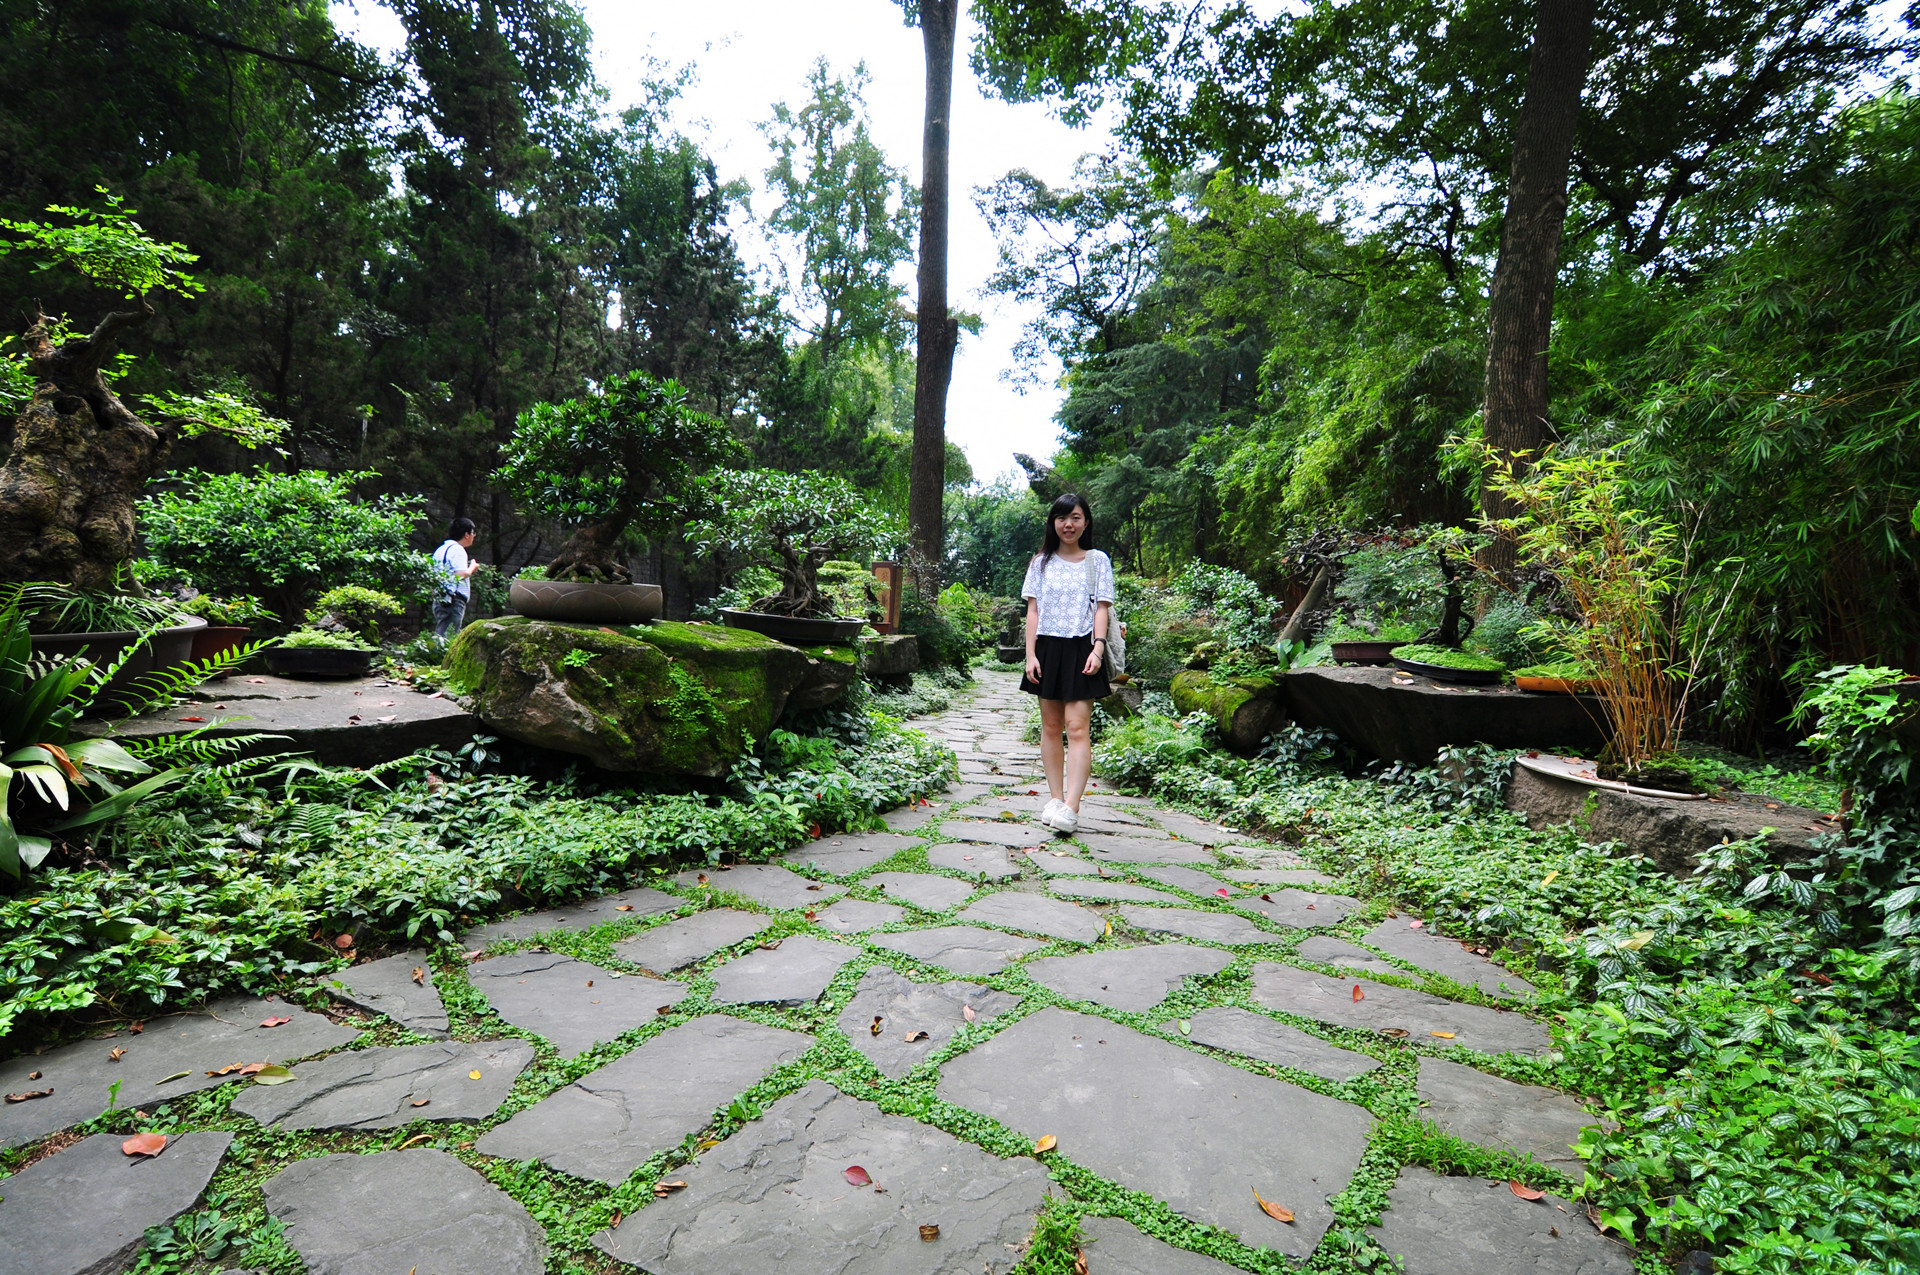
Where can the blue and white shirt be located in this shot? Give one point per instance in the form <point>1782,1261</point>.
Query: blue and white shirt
<point>1067,591</point>
<point>451,558</point>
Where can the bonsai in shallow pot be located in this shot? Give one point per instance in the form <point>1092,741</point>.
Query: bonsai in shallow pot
<point>339,639</point>
<point>627,459</point>
<point>1354,643</point>
<point>792,524</point>
<point>1448,664</point>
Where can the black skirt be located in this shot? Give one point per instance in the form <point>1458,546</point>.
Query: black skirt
<point>1061,659</point>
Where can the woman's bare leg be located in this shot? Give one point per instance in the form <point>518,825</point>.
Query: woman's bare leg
<point>1078,714</point>
<point>1053,715</point>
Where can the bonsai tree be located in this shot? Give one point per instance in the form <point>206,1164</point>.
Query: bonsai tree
<point>792,523</point>
<point>627,458</point>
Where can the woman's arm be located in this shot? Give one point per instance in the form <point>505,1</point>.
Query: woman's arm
<point>1102,617</point>
<point>1033,632</point>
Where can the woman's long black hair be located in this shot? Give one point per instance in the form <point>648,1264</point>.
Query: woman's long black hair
<point>1063,505</point>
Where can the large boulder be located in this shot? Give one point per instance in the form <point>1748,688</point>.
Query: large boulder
<point>664,698</point>
<point>830,670</point>
<point>1398,717</point>
<point>1244,708</point>
<point>889,654</point>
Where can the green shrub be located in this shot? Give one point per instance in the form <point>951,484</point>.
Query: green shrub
<point>1242,613</point>
<point>240,610</point>
<point>1511,632</point>
<point>356,609</point>
<point>308,638</point>
<point>285,537</point>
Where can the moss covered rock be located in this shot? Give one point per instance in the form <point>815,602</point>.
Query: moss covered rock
<point>663,698</point>
<point>1244,708</point>
<point>830,670</point>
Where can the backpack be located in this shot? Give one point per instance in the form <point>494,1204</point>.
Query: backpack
<point>1113,660</point>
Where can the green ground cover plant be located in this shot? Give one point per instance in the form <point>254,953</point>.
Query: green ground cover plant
<point>1448,657</point>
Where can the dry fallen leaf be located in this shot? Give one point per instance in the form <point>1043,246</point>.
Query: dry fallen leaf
<point>1045,1145</point>
<point>703,878</point>
<point>421,1102</point>
<point>1079,1261</point>
<point>35,1075</point>
<point>1266,898</point>
<point>253,1069</point>
<point>473,1075</point>
<point>1273,1210</point>
<point>966,1012</point>
<point>344,942</point>
<point>928,1234</point>
<point>136,1028</point>
<point>663,1009</point>
<point>668,1188</point>
<point>875,1029</point>
<point>1525,1192</point>
<point>589,982</point>
<point>1550,877</point>
<point>418,1137</point>
<point>420,975</point>
<point>1358,994</point>
<point>857,1176</point>
<point>147,1144</point>
<point>707,1144</point>
<point>810,915</point>
<point>816,887</point>
<point>116,1054</point>
<point>914,1037</point>
<point>274,1075</point>
<point>623,907</point>
<point>277,1021</point>
<point>29,1095</point>
<point>1442,1035</point>
<point>1396,1032</point>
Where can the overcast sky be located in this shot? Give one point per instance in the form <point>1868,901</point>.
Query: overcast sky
<point>752,53</point>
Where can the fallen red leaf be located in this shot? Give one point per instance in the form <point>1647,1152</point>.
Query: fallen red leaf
<point>1266,898</point>
<point>253,1069</point>
<point>623,907</point>
<point>1525,1192</point>
<point>1414,925</point>
<point>1224,893</point>
<point>858,1176</point>
<point>274,1022</point>
<point>147,1144</point>
<point>343,942</point>
<point>1358,994</point>
<point>815,830</point>
<point>136,1028</point>
<point>193,719</point>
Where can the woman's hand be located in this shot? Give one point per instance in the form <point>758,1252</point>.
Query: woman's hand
<point>1093,661</point>
<point>1033,668</point>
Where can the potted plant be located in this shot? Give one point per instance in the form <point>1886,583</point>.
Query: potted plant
<point>229,620</point>
<point>132,633</point>
<point>340,637</point>
<point>628,458</point>
<point>792,523</point>
<point>1565,677</point>
<point>1448,664</point>
<point>1353,643</point>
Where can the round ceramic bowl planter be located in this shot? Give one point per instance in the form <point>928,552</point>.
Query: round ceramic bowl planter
<point>1447,673</point>
<point>572,603</point>
<point>318,662</point>
<point>1364,652</point>
<point>793,629</point>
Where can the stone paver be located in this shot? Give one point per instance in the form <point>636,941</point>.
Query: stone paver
<point>85,1211</point>
<point>389,987</point>
<point>965,856</point>
<point>1301,909</point>
<point>1213,927</point>
<point>1324,949</point>
<point>1383,1007</point>
<point>1110,891</point>
<point>1195,1132</point>
<point>853,916</point>
<point>1118,848</point>
<point>1189,828</point>
<point>628,905</point>
<point>774,1197</point>
<point>694,938</point>
<point>795,973</point>
<point>964,949</point>
<point>1462,1226</point>
<point>610,1121</point>
<point>384,1088</point>
<point>417,1212</point>
<point>923,890</point>
<point>1277,876</point>
<point>1035,914</point>
<point>765,884</point>
<point>1241,1031</point>
<point>849,852</point>
<point>1060,863</point>
<point>1430,951</point>
<point>82,1074</point>
<point>907,818</point>
<point>1116,1247</point>
<point>1491,1112</point>
<point>902,1008</point>
<point>1120,825</point>
<point>996,834</point>
<point>1191,880</point>
<point>572,1004</point>
<point>1129,978</point>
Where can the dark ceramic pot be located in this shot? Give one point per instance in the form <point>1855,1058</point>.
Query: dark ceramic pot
<point>572,603</point>
<point>170,648</point>
<point>793,629</point>
<point>1443,673</point>
<point>317,662</point>
<point>1364,652</point>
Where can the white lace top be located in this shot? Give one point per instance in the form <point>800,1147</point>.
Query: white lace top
<point>1067,592</point>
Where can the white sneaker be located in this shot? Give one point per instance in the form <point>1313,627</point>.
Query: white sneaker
<point>1053,807</point>
<point>1064,820</point>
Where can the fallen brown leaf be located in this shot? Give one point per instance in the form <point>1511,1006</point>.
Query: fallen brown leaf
<point>668,1188</point>
<point>1396,1032</point>
<point>1079,1261</point>
<point>147,1144</point>
<point>1525,1192</point>
<point>857,1176</point>
<point>875,1029</point>
<point>35,1075</point>
<point>134,1029</point>
<point>343,942</point>
<point>966,1012</point>
<point>703,878</point>
<point>816,887</point>
<point>810,914</point>
<point>30,1094</point>
<point>589,982</point>
<point>1267,898</point>
<point>421,1102</point>
<point>1273,1210</point>
<point>116,1054</point>
<point>420,975</point>
<point>914,1037</point>
<point>623,907</point>
<point>663,1009</point>
<point>928,1234</point>
<point>1045,1145</point>
<point>276,1021</point>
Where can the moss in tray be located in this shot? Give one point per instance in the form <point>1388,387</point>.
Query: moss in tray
<point>1567,671</point>
<point>1447,657</point>
<point>318,639</point>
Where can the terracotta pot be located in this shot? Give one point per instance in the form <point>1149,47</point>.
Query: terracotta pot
<point>794,629</point>
<point>572,603</point>
<point>1556,685</point>
<point>216,639</point>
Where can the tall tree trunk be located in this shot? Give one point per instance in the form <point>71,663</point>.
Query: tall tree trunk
<point>1520,304</point>
<point>80,460</point>
<point>934,331</point>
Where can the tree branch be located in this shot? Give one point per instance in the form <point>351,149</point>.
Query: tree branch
<point>285,59</point>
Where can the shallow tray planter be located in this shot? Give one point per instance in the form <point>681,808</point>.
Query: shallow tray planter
<point>169,648</point>
<point>1575,770</point>
<point>318,661</point>
<point>575,603</point>
<point>1364,652</point>
<point>793,629</point>
<point>1556,685</point>
<point>1447,673</point>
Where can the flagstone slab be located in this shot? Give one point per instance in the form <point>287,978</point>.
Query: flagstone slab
<point>902,1008</point>
<point>1036,914</point>
<point>609,1122</point>
<point>378,1088</point>
<point>1122,825</point>
<point>1018,803</point>
<point>1241,1031</point>
<point>1383,1007</point>
<point>1115,1246</point>
<point>1192,1131</point>
<point>82,1074</point>
<point>996,833</point>
<point>1191,880</point>
<point>774,1197</point>
<point>388,986</point>
<point>1119,848</point>
<point>573,1004</point>
<point>1491,1112</point>
<point>1468,1226</point>
<point>1213,927</point>
<point>1324,949</point>
<point>765,884</point>
<point>85,1210</point>
<point>964,949</point>
<point>1301,909</point>
<point>965,856</point>
<point>795,973</point>
<point>908,818</point>
<point>418,1212</point>
<point>678,943</point>
<point>855,916</point>
<point>922,889</point>
<point>1060,863</point>
<point>1191,828</point>
<point>1128,978</point>
<point>1110,891</point>
<point>844,854</point>
<point>1422,947</point>
<point>628,905</point>
<point>1263,877</point>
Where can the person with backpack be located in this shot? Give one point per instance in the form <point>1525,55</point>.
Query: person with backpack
<point>456,572</point>
<point>1069,593</point>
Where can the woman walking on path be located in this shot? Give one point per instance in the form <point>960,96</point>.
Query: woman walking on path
<point>1069,593</point>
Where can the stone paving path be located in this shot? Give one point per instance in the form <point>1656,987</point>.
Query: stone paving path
<point>839,1063</point>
